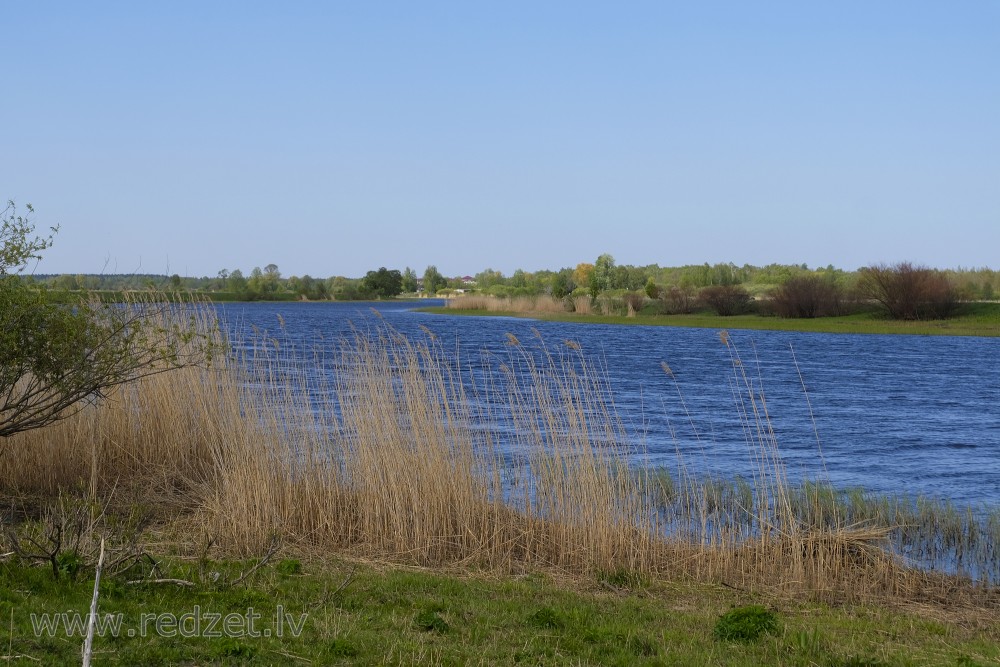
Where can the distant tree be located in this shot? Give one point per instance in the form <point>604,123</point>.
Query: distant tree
<point>651,290</point>
<point>519,279</point>
<point>255,283</point>
<point>344,289</point>
<point>488,278</point>
<point>175,282</point>
<point>237,283</point>
<point>908,292</point>
<point>67,282</point>
<point>562,284</point>
<point>581,274</point>
<point>409,280</point>
<point>383,283</point>
<point>433,280</point>
<point>272,278</point>
<point>601,277</point>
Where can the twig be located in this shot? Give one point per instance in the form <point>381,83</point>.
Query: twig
<point>329,596</point>
<point>88,644</point>
<point>350,575</point>
<point>179,582</point>
<point>292,655</point>
<point>275,545</point>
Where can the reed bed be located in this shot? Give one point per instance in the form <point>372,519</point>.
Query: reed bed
<point>391,447</point>
<point>542,303</point>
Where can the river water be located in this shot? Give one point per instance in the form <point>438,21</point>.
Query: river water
<point>915,415</point>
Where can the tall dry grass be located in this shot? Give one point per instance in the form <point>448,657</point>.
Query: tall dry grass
<point>542,303</point>
<point>394,454</point>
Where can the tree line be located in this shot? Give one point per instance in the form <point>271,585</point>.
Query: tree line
<point>788,290</point>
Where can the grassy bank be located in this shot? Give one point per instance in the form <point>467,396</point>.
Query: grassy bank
<point>392,458</point>
<point>355,613</point>
<point>980,319</point>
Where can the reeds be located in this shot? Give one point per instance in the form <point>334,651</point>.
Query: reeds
<point>541,303</point>
<point>397,448</point>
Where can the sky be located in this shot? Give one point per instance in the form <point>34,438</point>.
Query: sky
<point>332,138</point>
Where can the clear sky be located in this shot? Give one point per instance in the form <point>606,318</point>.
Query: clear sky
<point>331,138</point>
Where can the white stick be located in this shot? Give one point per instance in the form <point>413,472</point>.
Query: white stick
<point>88,644</point>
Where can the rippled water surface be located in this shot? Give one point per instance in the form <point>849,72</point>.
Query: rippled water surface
<point>893,414</point>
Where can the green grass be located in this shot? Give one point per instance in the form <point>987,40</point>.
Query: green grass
<point>372,615</point>
<point>978,319</point>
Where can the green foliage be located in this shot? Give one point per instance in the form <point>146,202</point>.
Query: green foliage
<point>745,624</point>
<point>433,280</point>
<point>625,579</point>
<point>289,567</point>
<point>547,617</point>
<point>383,283</point>
<point>601,276</point>
<point>341,648</point>
<point>69,563</point>
<point>17,245</point>
<point>409,280</point>
<point>430,620</point>
<point>230,647</point>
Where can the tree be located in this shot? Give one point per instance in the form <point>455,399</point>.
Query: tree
<point>237,282</point>
<point>384,283</point>
<point>581,274</point>
<point>409,280</point>
<point>562,284</point>
<point>433,280</point>
<point>272,278</point>
<point>601,278</point>
<point>908,292</point>
<point>651,289</point>
<point>56,358</point>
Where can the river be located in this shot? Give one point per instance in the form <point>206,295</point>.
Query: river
<point>915,415</point>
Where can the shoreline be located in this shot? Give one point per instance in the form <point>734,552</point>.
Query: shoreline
<point>980,326</point>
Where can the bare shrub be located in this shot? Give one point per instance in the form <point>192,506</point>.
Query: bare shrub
<point>726,300</point>
<point>807,296</point>
<point>909,292</point>
<point>678,300</point>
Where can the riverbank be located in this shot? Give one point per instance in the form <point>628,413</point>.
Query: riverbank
<point>412,538</point>
<point>981,319</point>
<point>342,611</point>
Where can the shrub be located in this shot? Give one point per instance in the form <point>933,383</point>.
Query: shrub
<point>807,296</point>
<point>726,300</point>
<point>909,292</point>
<point>634,301</point>
<point>745,624</point>
<point>677,300</point>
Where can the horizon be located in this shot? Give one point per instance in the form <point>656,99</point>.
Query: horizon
<point>332,140</point>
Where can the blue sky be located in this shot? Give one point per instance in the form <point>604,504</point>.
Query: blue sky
<point>331,138</point>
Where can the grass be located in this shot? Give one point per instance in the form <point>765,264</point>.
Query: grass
<point>974,319</point>
<point>391,456</point>
<point>361,613</point>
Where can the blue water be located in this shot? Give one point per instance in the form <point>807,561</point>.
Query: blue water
<point>891,414</point>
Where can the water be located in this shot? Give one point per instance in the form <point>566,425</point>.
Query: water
<point>893,414</point>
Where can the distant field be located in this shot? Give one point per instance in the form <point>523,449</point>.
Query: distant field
<point>978,319</point>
